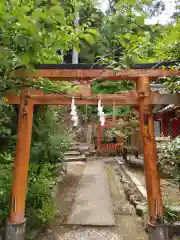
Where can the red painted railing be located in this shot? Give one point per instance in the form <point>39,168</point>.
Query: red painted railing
<point>109,147</point>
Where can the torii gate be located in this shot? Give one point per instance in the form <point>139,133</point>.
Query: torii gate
<point>142,97</point>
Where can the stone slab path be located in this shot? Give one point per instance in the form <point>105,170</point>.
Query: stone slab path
<point>93,204</point>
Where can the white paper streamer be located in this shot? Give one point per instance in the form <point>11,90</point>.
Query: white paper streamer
<point>73,113</point>
<point>101,114</point>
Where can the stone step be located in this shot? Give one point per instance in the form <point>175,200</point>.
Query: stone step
<point>84,147</point>
<point>92,152</point>
<point>75,158</point>
<point>72,153</point>
<point>74,148</point>
<point>86,153</point>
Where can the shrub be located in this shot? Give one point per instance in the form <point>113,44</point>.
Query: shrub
<point>5,191</point>
<point>49,142</point>
<point>169,158</point>
<point>40,207</point>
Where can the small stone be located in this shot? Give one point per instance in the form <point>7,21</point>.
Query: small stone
<point>33,234</point>
<point>176,228</point>
<point>140,209</point>
<point>136,202</point>
<point>175,209</point>
<point>132,199</point>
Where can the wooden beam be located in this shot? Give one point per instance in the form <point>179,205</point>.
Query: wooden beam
<point>126,98</point>
<point>12,98</point>
<point>155,205</point>
<point>59,101</point>
<point>93,74</point>
<point>107,99</point>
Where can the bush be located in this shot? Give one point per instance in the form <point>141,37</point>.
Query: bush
<point>40,207</point>
<point>5,191</point>
<point>169,158</point>
<point>49,142</point>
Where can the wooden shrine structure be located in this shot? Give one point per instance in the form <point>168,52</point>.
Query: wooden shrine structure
<point>142,97</point>
<point>117,144</point>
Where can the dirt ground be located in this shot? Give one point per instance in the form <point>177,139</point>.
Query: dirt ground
<point>128,225</point>
<point>170,191</point>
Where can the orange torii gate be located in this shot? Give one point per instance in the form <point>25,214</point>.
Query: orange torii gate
<point>142,97</point>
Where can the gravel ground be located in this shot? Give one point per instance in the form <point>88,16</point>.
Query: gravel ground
<point>128,225</point>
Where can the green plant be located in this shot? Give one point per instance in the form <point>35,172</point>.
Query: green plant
<point>169,214</point>
<point>40,207</point>
<point>5,191</point>
<point>168,158</point>
<point>6,115</point>
<point>49,142</point>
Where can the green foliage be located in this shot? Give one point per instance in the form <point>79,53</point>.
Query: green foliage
<point>49,141</point>
<point>107,87</point>
<point>169,215</point>
<point>40,206</point>
<point>32,33</point>
<point>5,158</point>
<point>160,43</point>
<point>112,87</point>
<point>173,84</point>
<point>6,116</point>
<point>5,191</point>
<point>169,158</point>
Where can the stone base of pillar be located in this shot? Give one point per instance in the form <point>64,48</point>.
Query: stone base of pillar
<point>160,232</point>
<point>15,231</point>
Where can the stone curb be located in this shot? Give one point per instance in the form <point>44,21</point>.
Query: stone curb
<point>139,187</point>
<point>141,207</point>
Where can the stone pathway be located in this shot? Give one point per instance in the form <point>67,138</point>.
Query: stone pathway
<point>93,204</point>
<point>128,225</point>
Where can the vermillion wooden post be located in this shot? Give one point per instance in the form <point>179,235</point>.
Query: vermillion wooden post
<point>16,223</point>
<point>155,205</point>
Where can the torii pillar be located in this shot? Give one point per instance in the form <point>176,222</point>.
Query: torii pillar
<point>156,227</point>
<point>15,229</point>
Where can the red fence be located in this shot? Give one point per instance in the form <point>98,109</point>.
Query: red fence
<point>113,147</point>
<point>109,147</point>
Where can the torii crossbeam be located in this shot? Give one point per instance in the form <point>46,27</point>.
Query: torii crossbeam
<point>125,98</point>
<point>86,72</point>
<point>142,97</point>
